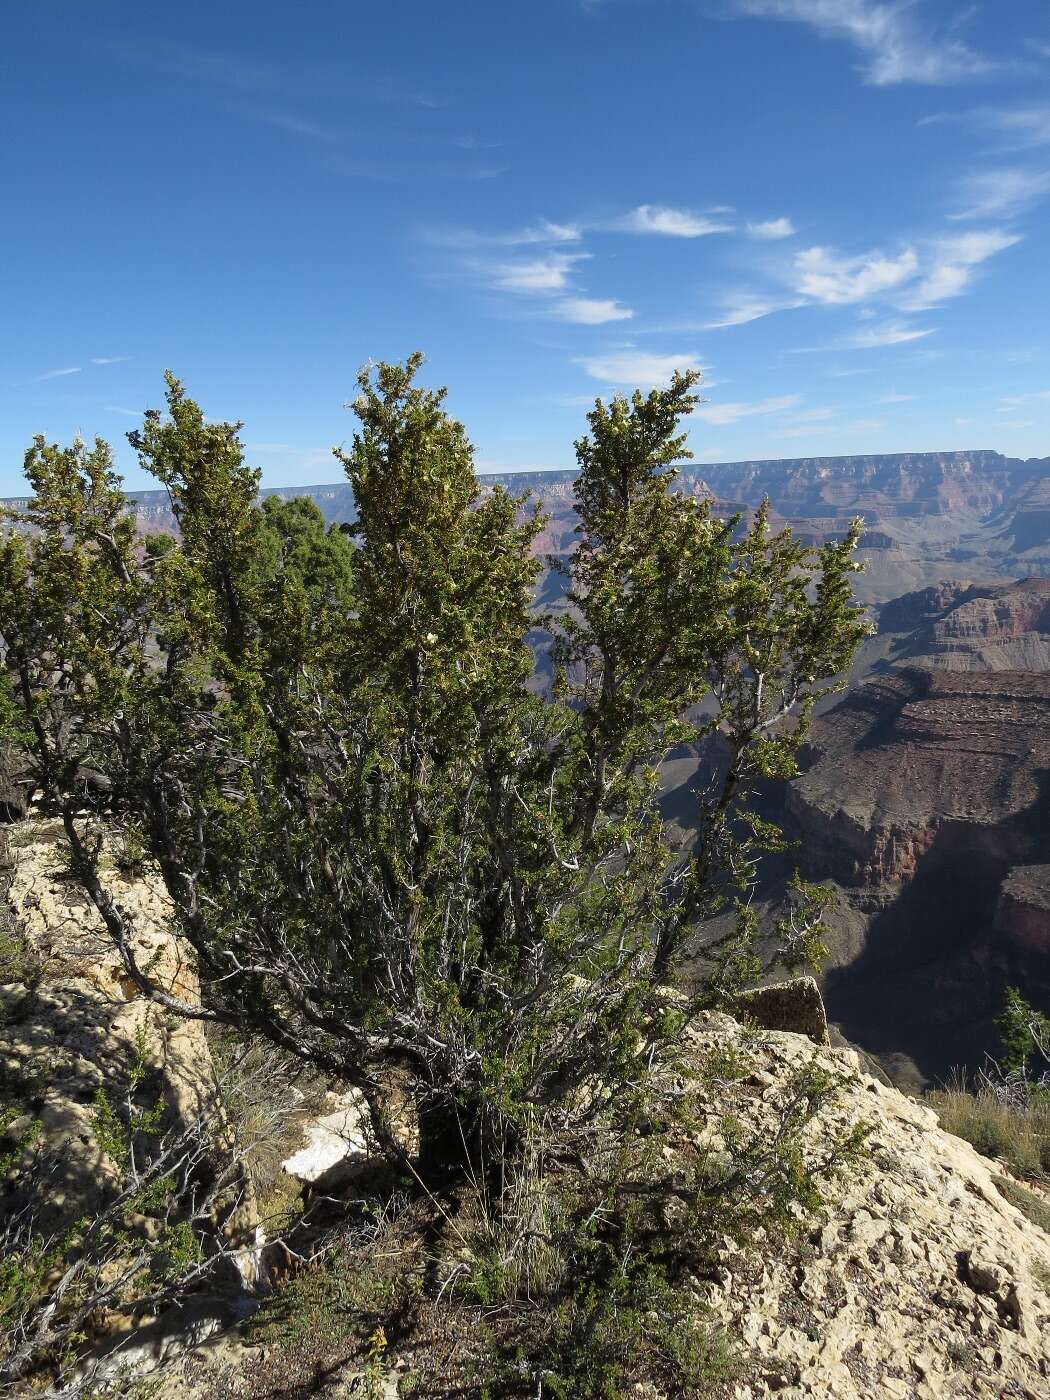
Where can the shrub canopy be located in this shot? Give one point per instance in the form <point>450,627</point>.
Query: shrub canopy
<point>387,852</point>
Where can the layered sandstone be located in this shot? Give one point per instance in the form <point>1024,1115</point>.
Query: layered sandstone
<point>913,758</point>
<point>1023,912</point>
<point>964,627</point>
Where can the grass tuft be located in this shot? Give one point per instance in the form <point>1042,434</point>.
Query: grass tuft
<point>1016,1135</point>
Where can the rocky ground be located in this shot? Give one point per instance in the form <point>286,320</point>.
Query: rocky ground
<point>920,1280</point>
<point>917,1278</point>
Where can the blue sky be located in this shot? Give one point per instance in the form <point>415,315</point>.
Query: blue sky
<point>840,209</point>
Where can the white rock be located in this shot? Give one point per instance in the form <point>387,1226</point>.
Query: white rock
<point>337,1139</point>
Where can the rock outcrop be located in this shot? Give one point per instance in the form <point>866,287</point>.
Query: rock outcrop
<point>919,1280</point>
<point>960,627</point>
<point>924,789</point>
<point>923,757</point>
<point>1023,912</point>
<point>83,1024</point>
<point>916,1279</point>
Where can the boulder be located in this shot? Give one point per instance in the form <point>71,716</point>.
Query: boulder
<point>787,1006</point>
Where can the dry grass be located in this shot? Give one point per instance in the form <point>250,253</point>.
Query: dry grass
<point>1018,1136</point>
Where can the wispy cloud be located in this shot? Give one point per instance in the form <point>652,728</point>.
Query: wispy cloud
<point>771,228</point>
<point>57,373</point>
<point>126,412</point>
<point>548,273</point>
<point>870,337</point>
<point>543,232</point>
<point>1016,128</point>
<point>894,397</point>
<point>746,308</point>
<point>294,125</point>
<point>955,262</point>
<point>671,223</point>
<point>1001,193</point>
<point>590,311</point>
<point>1035,396</point>
<point>238,73</point>
<point>806,430</point>
<point>888,333</point>
<point>637,367</point>
<point>109,359</point>
<point>723,414</point>
<point>898,46</point>
<point>826,276</point>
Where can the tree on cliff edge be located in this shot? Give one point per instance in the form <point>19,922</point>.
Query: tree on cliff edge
<point>387,854</point>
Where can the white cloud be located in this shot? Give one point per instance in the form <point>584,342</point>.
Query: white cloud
<point>894,397</point>
<point>825,276</point>
<point>543,232</point>
<point>109,360</point>
<point>127,412</point>
<point>871,337</point>
<point>771,228</point>
<point>865,425</point>
<point>888,333</point>
<point>549,273</point>
<point>1037,394</point>
<point>637,367</point>
<point>723,414</point>
<point>1016,128</point>
<point>591,311</point>
<point>1002,193</point>
<point>672,223</point>
<point>898,47</point>
<point>747,308</point>
<point>805,430</point>
<point>57,374</point>
<point>953,268</point>
<point>813,415</point>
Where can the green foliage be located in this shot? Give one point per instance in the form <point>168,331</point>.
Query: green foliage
<point>1021,1029</point>
<point>19,962</point>
<point>390,857</point>
<point>296,545</point>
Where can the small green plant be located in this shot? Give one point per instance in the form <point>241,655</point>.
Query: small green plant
<point>962,1354</point>
<point>132,853</point>
<point>116,1130</point>
<point>19,961</point>
<point>374,1374</point>
<point>1023,1032</point>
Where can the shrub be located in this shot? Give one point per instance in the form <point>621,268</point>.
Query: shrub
<point>390,857</point>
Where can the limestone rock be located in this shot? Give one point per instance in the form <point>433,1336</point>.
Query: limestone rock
<point>78,1031</point>
<point>788,1006</point>
<point>920,1279</point>
<point>335,1143</point>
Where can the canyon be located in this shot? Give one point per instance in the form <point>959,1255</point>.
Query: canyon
<point>925,802</point>
<point>929,516</point>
